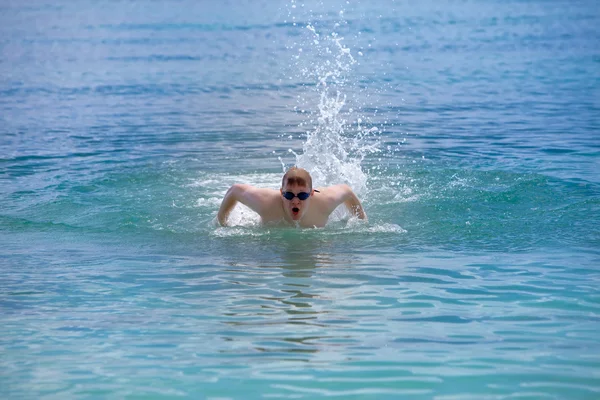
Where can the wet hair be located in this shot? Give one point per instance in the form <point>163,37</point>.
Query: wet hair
<point>297,177</point>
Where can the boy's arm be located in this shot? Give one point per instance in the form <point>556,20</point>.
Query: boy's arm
<point>353,204</point>
<point>229,201</point>
<point>252,197</point>
<point>344,194</point>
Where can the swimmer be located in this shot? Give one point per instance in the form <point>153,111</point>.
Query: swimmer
<point>296,202</point>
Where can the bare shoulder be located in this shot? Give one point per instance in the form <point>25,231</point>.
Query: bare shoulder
<point>328,198</point>
<point>335,192</point>
<point>335,195</point>
<point>253,190</point>
<point>258,199</point>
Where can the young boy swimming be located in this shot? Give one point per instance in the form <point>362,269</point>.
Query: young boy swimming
<point>296,202</point>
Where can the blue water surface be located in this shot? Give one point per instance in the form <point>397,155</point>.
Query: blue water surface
<point>469,129</point>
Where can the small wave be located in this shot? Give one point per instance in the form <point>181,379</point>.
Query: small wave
<point>222,181</point>
<point>354,225</point>
<point>386,228</point>
<point>211,202</point>
<point>203,183</point>
<point>238,232</point>
<point>406,195</point>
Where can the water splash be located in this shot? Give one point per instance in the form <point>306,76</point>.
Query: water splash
<point>336,143</point>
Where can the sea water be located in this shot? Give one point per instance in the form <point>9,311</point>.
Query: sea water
<point>469,130</point>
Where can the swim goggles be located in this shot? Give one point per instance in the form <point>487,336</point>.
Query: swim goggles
<point>300,196</point>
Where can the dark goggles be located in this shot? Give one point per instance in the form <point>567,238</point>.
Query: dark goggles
<point>300,196</point>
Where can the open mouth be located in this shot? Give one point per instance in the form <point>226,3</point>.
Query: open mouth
<point>295,210</point>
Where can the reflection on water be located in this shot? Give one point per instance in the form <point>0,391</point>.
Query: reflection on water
<point>320,309</point>
<point>279,305</point>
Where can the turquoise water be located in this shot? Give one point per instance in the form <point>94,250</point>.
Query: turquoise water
<point>469,129</point>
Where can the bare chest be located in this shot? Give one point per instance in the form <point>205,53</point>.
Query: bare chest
<point>312,218</point>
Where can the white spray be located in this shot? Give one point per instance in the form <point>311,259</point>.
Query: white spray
<point>334,147</point>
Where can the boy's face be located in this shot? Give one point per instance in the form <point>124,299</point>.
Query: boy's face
<point>295,208</point>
